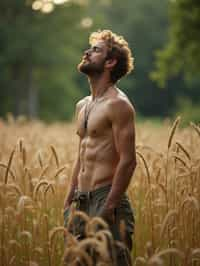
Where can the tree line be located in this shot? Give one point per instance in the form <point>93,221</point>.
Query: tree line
<point>39,53</point>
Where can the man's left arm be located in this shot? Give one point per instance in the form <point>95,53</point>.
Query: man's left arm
<point>122,116</point>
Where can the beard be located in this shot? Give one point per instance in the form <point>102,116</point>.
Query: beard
<point>89,68</point>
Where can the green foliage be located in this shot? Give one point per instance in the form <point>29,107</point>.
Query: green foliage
<point>144,24</point>
<point>189,111</point>
<point>39,54</point>
<point>181,53</point>
<point>38,58</point>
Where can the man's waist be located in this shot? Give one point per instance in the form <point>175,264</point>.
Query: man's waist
<point>93,183</point>
<point>87,195</point>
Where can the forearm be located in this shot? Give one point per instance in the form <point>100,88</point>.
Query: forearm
<point>74,183</point>
<point>120,183</point>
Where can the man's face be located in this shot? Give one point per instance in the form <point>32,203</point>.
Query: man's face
<point>94,59</point>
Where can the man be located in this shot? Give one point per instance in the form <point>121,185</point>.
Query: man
<point>105,125</point>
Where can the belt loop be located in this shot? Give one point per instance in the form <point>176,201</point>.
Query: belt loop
<point>88,195</point>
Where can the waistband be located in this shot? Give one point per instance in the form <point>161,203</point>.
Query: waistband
<point>80,195</point>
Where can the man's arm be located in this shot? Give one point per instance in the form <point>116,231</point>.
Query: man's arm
<point>122,117</point>
<point>74,182</point>
<point>76,167</point>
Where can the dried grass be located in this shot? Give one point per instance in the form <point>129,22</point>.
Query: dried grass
<point>165,194</point>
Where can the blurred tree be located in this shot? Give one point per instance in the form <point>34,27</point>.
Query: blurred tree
<point>144,24</point>
<point>39,53</point>
<point>38,57</point>
<point>182,52</point>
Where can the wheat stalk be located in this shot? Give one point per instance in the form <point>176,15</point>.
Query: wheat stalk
<point>9,165</point>
<point>55,155</point>
<point>24,157</point>
<point>50,185</point>
<point>194,201</point>
<point>20,143</point>
<point>170,214</point>
<point>183,150</point>
<point>195,253</point>
<point>172,132</point>
<point>40,159</point>
<point>106,243</point>
<point>85,218</point>
<point>55,231</point>
<point>59,171</point>
<point>94,225</point>
<point>22,201</point>
<point>43,172</point>
<point>196,128</point>
<point>12,260</point>
<point>37,187</point>
<point>170,251</point>
<point>76,256</point>
<point>16,188</point>
<point>146,167</point>
<point>9,171</point>
<point>140,261</point>
<point>178,158</point>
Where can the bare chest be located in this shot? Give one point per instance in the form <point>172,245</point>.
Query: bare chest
<point>93,121</point>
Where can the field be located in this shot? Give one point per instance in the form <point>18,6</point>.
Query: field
<point>36,161</point>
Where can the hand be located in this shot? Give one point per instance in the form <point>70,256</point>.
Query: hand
<point>108,214</point>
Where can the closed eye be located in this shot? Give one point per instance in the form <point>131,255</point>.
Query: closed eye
<point>96,49</point>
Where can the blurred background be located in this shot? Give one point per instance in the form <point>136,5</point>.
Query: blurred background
<point>42,41</point>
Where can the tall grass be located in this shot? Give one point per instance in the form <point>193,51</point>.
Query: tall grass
<point>35,167</point>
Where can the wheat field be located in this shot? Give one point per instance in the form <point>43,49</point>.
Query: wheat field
<point>36,162</point>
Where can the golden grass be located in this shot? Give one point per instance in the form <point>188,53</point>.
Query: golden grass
<point>35,168</point>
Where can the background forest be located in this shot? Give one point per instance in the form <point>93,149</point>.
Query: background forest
<point>41,43</point>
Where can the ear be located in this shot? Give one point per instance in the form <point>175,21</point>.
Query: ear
<point>110,63</point>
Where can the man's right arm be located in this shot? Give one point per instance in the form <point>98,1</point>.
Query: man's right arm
<point>76,168</point>
<point>74,182</point>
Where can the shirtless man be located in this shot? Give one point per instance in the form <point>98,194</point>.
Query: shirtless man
<point>105,125</point>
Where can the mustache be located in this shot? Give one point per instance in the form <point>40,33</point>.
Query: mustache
<point>85,58</point>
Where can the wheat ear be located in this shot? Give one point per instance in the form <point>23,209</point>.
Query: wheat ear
<point>55,155</point>
<point>37,187</point>
<point>9,165</point>
<point>9,170</point>
<point>196,128</point>
<point>172,132</point>
<point>183,150</point>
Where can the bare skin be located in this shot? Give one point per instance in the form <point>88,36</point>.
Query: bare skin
<point>107,147</point>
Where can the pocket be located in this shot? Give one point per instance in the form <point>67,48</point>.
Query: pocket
<point>125,212</point>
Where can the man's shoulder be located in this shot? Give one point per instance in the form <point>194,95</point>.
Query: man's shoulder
<point>81,103</point>
<point>121,104</point>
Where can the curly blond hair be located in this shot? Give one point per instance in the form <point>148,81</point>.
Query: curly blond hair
<point>117,48</point>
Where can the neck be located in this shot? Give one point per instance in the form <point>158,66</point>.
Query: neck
<point>98,86</point>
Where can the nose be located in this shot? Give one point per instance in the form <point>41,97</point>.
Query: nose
<point>87,52</point>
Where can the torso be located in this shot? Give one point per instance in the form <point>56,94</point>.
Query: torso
<point>98,155</point>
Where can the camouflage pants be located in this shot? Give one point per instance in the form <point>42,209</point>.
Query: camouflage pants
<point>91,203</point>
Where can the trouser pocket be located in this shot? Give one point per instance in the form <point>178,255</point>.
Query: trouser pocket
<point>126,221</point>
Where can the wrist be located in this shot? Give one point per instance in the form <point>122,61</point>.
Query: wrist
<point>109,206</point>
